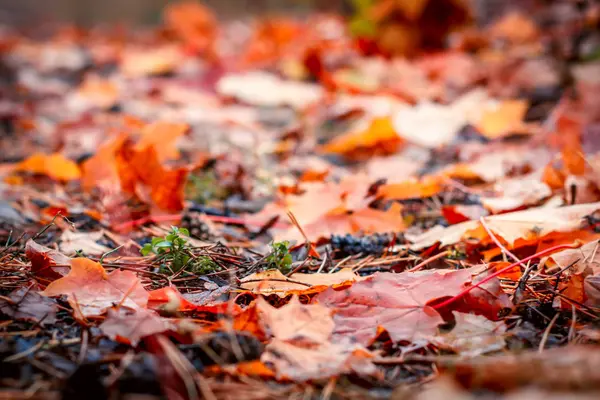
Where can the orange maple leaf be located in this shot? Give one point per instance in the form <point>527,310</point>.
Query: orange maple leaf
<point>91,291</point>
<point>55,166</point>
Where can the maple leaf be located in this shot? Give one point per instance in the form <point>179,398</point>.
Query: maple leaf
<point>527,224</point>
<point>142,169</point>
<point>140,62</point>
<point>472,335</point>
<point>516,193</point>
<point>194,23</point>
<point>267,90</point>
<point>302,364</point>
<point>274,282</point>
<point>101,168</point>
<point>130,326</point>
<point>411,189</point>
<point>29,304</point>
<point>72,242</point>
<point>399,303</point>
<point>296,322</point>
<point>45,262</point>
<point>378,135</point>
<point>55,166</point>
<point>162,135</point>
<point>91,291</point>
<point>365,220</point>
<point>506,118</point>
<point>95,92</point>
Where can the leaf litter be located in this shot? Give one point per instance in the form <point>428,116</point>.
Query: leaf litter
<point>398,203</point>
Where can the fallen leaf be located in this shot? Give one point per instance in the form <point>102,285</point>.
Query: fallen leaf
<point>55,166</point>
<point>267,90</point>
<point>130,326</point>
<point>71,242</point>
<point>473,336</point>
<point>298,323</point>
<point>142,169</point>
<point>527,224</point>
<point>273,281</point>
<point>398,303</point>
<point>515,27</point>
<point>162,135</point>
<point>140,62</point>
<point>306,363</point>
<point>411,189</point>
<point>379,136</point>
<point>28,304</point>
<point>46,262</point>
<point>91,291</point>
<point>515,193</point>
<point>433,125</point>
<point>504,119</point>
<point>365,220</point>
<point>194,23</point>
<point>95,92</point>
<point>101,168</point>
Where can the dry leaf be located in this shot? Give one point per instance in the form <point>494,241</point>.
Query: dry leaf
<point>273,281</point>
<point>55,166</point>
<point>130,326</point>
<point>504,119</point>
<point>527,224</point>
<point>306,363</point>
<point>138,63</point>
<point>72,242</point>
<point>91,291</point>
<point>194,23</point>
<point>142,170</point>
<point>473,335</point>
<point>162,135</point>
<point>309,324</point>
<point>398,303</point>
<point>267,90</point>
<point>411,189</point>
<point>101,168</point>
<point>379,136</point>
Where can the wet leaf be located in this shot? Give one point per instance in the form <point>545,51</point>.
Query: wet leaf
<point>29,304</point>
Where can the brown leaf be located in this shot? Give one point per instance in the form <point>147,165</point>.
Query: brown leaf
<point>91,291</point>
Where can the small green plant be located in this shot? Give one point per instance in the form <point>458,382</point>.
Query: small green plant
<point>175,249</point>
<point>280,257</point>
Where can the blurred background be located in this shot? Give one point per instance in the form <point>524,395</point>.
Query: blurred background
<point>143,11</point>
<point>147,12</point>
